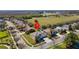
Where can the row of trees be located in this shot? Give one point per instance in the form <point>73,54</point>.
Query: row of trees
<point>31,16</point>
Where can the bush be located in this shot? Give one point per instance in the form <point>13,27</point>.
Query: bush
<point>60,24</point>
<point>27,32</point>
<point>77,26</point>
<point>37,15</point>
<point>30,24</point>
<point>49,26</point>
<point>71,39</point>
<point>44,27</point>
<point>54,26</point>
<point>25,21</point>
<point>27,17</point>
<point>70,28</point>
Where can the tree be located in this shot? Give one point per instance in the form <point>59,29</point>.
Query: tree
<point>71,39</point>
<point>49,26</point>
<point>77,26</point>
<point>44,27</point>
<point>70,28</point>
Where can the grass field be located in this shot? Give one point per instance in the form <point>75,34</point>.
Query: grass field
<point>54,20</point>
<point>58,46</point>
<point>5,39</point>
<point>3,47</point>
<point>61,46</point>
<point>3,34</point>
<point>29,39</point>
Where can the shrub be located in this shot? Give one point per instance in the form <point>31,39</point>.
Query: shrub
<point>30,24</point>
<point>77,26</point>
<point>49,26</point>
<point>37,15</point>
<point>70,28</point>
<point>27,17</point>
<point>25,21</point>
<point>54,26</point>
<point>71,39</point>
<point>59,24</point>
<point>44,26</point>
<point>27,32</point>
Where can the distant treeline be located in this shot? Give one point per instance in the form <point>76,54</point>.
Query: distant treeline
<point>31,16</point>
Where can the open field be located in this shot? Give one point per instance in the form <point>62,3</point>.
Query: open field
<point>54,20</point>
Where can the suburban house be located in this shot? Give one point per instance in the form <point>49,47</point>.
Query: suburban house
<point>65,27</point>
<point>58,29</point>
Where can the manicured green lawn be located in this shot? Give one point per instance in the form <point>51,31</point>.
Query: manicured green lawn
<point>3,34</point>
<point>58,46</point>
<point>62,45</point>
<point>54,20</point>
<point>29,39</point>
<point>5,39</point>
<point>3,47</point>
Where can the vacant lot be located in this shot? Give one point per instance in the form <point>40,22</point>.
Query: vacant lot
<point>54,20</point>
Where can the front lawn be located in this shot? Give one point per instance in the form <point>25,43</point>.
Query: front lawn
<point>3,34</point>
<point>3,47</point>
<point>29,39</point>
<point>5,39</point>
<point>61,45</point>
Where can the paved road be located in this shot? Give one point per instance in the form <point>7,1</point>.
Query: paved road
<point>21,43</point>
